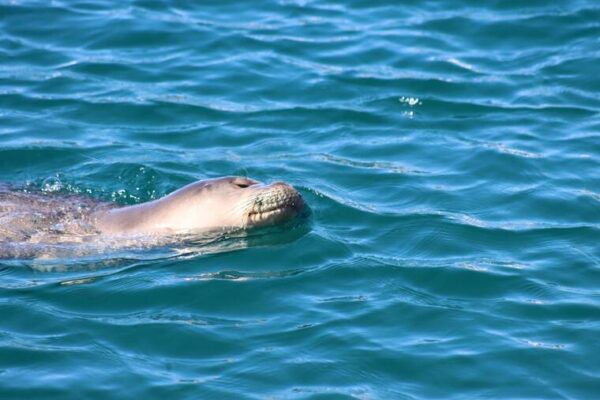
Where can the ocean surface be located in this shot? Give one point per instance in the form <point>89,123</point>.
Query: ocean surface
<point>449,152</point>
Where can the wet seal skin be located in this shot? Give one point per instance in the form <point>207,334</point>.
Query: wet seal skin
<point>37,224</point>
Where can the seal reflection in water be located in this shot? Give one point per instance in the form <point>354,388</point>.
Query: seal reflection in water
<point>203,207</point>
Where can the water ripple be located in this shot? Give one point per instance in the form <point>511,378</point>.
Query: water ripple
<point>448,152</point>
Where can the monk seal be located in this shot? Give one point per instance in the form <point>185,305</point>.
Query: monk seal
<point>31,222</point>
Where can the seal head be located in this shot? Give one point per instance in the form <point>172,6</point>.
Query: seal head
<point>215,204</point>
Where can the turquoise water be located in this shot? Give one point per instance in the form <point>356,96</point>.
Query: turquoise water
<point>449,151</point>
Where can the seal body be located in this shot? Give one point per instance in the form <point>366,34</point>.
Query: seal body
<point>33,222</point>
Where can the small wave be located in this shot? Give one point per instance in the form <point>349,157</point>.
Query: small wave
<point>244,276</point>
<point>382,166</point>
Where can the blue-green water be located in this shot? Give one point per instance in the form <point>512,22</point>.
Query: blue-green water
<point>449,151</point>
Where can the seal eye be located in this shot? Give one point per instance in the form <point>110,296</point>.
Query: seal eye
<point>243,183</point>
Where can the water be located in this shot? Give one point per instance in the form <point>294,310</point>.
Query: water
<point>449,152</point>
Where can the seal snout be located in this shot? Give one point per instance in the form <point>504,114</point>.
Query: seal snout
<point>275,203</point>
<point>288,196</point>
